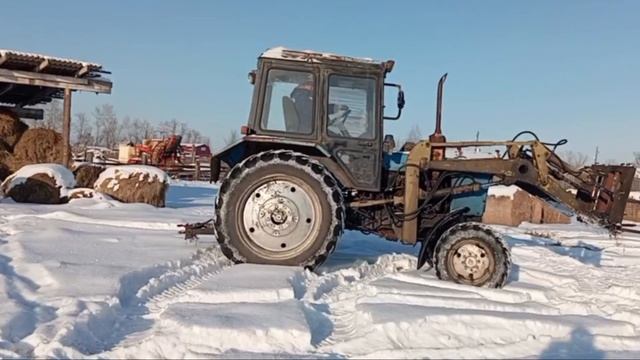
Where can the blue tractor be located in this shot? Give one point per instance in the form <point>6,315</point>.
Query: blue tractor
<point>314,161</point>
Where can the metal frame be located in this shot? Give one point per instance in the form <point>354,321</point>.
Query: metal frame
<point>602,190</point>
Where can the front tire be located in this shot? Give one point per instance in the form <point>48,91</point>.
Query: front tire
<point>472,254</point>
<point>279,207</point>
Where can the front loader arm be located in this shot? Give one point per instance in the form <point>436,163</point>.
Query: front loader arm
<point>598,191</point>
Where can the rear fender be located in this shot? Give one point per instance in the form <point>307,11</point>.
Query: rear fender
<point>253,144</point>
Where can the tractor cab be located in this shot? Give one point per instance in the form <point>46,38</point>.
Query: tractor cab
<point>326,106</point>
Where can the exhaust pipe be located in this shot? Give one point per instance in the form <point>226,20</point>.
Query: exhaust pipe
<point>437,136</point>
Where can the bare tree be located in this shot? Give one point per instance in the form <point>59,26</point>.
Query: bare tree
<point>232,137</point>
<point>140,130</point>
<point>52,117</point>
<point>193,136</point>
<point>575,159</point>
<point>124,130</point>
<point>414,134</point>
<point>106,123</point>
<point>173,127</point>
<point>82,129</point>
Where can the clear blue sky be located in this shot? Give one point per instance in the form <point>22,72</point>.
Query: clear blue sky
<point>561,68</point>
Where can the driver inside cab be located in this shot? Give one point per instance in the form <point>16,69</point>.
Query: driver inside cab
<point>302,97</point>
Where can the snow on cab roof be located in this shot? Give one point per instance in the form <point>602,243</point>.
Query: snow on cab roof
<point>313,56</point>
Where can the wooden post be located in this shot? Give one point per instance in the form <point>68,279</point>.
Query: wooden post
<point>197,170</point>
<point>66,128</point>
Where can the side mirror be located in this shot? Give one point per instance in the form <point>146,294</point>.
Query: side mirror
<point>399,102</point>
<point>252,77</point>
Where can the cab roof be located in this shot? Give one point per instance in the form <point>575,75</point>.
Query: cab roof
<point>311,56</point>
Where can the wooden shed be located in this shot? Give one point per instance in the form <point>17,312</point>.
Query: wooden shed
<point>28,80</point>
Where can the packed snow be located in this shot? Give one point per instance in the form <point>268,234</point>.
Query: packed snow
<point>100,279</point>
<point>63,177</point>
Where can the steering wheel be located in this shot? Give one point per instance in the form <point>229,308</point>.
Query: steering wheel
<point>340,124</point>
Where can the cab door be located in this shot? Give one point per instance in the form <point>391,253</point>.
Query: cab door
<point>352,127</point>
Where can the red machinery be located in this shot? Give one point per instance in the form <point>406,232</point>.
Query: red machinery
<point>160,152</point>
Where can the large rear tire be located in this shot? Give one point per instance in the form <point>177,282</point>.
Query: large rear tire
<point>472,254</point>
<point>279,207</point>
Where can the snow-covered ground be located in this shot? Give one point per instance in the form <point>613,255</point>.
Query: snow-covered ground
<point>96,278</point>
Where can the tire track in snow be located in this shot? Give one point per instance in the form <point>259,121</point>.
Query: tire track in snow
<point>340,291</point>
<point>75,218</point>
<point>132,313</point>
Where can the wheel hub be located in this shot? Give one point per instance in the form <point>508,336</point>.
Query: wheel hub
<point>280,215</point>
<point>471,262</point>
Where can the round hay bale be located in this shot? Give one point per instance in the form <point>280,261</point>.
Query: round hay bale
<point>6,161</point>
<point>86,175</point>
<point>39,184</point>
<point>134,184</point>
<point>11,128</point>
<point>38,146</point>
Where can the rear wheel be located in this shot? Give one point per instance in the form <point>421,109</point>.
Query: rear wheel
<point>472,254</point>
<point>279,207</point>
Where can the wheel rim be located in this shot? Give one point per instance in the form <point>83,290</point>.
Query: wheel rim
<point>280,217</point>
<point>471,262</point>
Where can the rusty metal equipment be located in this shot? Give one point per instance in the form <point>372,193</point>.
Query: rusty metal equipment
<point>290,193</point>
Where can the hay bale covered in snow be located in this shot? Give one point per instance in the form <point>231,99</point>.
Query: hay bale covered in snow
<point>134,184</point>
<point>6,161</point>
<point>38,146</point>
<point>39,184</point>
<point>11,128</point>
<point>87,174</point>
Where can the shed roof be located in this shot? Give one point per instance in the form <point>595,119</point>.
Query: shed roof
<point>30,79</point>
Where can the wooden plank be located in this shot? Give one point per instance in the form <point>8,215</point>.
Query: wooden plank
<point>81,72</point>
<point>43,65</point>
<point>54,81</point>
<point>66,128</point>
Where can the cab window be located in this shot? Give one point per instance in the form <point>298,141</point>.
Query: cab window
<point>289,102</point>
<point>351,107</point>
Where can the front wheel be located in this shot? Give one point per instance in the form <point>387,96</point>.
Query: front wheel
<point>279,207</point>
<point>472,254</point>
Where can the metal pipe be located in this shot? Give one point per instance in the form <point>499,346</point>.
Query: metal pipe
<point>438,130</point>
